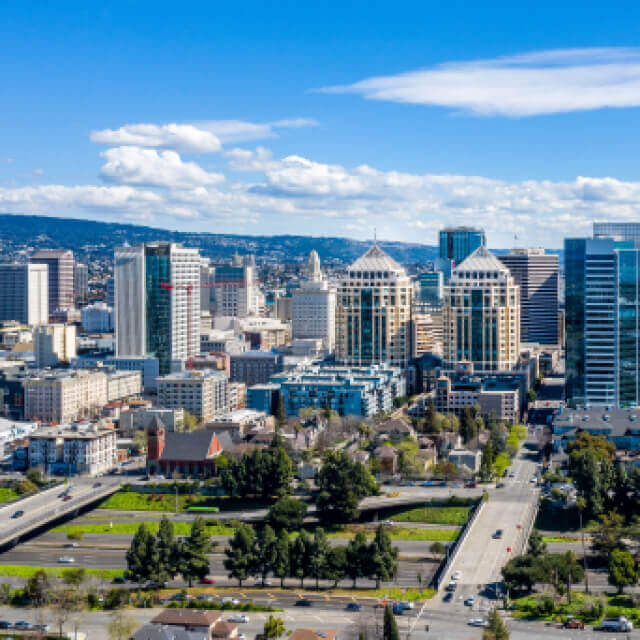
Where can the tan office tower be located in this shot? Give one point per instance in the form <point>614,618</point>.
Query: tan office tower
<point>481,314</point>
<point>373,317</point>
<point>60,263</point>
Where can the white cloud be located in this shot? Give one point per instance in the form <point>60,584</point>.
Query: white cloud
<point>545,82</point>
<point>233,131</point>
<point>179,137</point>
<point>148,167</point>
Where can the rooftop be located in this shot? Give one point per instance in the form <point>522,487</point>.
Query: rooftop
<point>191,617</point>
<point>481,260</point>
<point>375,259</point>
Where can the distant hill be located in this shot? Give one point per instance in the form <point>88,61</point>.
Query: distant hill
<point>98,239</point>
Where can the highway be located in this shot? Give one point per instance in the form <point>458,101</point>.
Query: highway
<point>481,556</point>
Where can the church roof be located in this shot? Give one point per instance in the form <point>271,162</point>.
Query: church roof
<point>481,260</point>
<point>375,259</point>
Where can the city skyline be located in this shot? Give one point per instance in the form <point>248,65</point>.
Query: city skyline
<point>408,123</point>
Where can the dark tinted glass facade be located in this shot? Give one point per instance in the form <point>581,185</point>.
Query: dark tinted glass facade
<point>158,305</point>
<point>457,244</point>
<point>628,272</point>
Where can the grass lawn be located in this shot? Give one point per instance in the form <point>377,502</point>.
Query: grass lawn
<point>560,539</point>
<point>434,515</point>
<point>129,528</point>
<point>24,571</point>
<point>406,533</point>
<point>7,494</point>
<point>132,501</point>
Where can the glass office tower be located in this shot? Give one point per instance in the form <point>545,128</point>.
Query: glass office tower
<point>459,242</point>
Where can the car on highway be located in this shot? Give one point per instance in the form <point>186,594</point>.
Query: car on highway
<point>66,498</point>
<point>97,484</point>
<point>457,575</point>
<point>478,622</point>
<point>71,545</point>
<point>534,479</point>
<point>573,623</point>
<point>497,535</point>
<point>119,580</point>
<point>5,624</point>
<point>41,627</point>
<point>66,559</point>
<point>353,606</point>
<point>233,601</point>
<point>448,597</point>
<point>388,523</point>
<point>239,618</point>
<point>154,584</point>
<point>303,602</point>
<point>470,601</point>
<point>207,580</point>
<point>23,625</point>
<point>512,474</point>
<point>18,514</point>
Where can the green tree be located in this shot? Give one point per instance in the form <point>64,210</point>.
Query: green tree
<point>342,483</point>
<point>607,535</point>
<point>389,627</point>
<point>336,567</point>
<point>281,561</point>
<point>467,424</point>
<point>194,559</point>
<point>319,554</point>
<point>168,551</point>
<point>35,475</point>
<point>486,464</point>
<point>273,628</point>
<point>383,557</point>
<point>25,487</point>
<point>266,551</point>
<point>121,626</point>
<point>531,396</point>
<point>568,570</point>
<point>496,629</point>
<point>623,570</point>
<point>37,588</point>
<point>537,546</point>
<point>140,441</point>
<point>74,576</point>
<point>287,513</point>
<point>357,557</point>
<point>189,421</point>
<point>299,557</point>
<point>142,556</point>
<point>501,464</point>
<point>240,553</point>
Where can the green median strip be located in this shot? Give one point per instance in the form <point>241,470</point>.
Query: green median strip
<point>434,515</point>
<point>7,494</point>
<point>129,528</point>
<point>25,571</point>
<point>560,539</point>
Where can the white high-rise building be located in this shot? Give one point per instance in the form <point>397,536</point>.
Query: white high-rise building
<point>373,318</point>
<point>24,293</point>
<point>61,264</point>
<point>157,295</point>
<point>313,307</point>
<point>236,291</point>
<point>54,343</point>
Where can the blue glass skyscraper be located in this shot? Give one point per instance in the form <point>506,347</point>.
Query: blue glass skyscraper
<point>459,242</point>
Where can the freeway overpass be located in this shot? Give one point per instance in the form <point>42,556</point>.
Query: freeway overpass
<point>48,506</point>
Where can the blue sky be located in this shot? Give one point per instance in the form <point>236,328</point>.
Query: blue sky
<point>323,119</point>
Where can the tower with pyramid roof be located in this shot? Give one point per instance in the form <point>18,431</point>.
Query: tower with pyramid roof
<point>373,318</point>
<point>481,314</point>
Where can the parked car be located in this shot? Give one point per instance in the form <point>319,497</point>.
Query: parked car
<point>497,535</point>
<point>263,583</point>
<point>303,602</point>
<point>354,606</point>
<point>5,624</point>
<point>448,597</point>
<point>452,586</point>
<point>233,601</point>
<point>240,618</point>
<point>573,623</point>
<point>119,580</point>
<point>471,485</point>
<point>41,627</point>
<point>470,601</point>
<point>23,625</point>
<point>457,575</point>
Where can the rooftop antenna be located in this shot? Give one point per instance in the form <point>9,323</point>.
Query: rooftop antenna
<point>375,237</point>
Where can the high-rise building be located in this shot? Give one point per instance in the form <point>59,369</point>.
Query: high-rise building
<point>602,318</point>
<point>536,273</point>
<point>24,293</point>
<point>430,288</point>
<point>60,263</point>
<point>157,292</point>
<point>481,314</point>
<point>456,243</point>
<point>313,307</point>
<point>110,292</point>
<point>81,284</point>
<point>373,318</point>
<point>235,287</point>
<point>54,343</point>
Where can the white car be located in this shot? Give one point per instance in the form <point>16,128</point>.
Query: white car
<point>470,601</point>
<point>478,622</point>
<point>533,479</point>
<point>388,523</point>
<point>239,618</point>
<point>456,576</point>
<point>233,601</point>
<point>66,559</point>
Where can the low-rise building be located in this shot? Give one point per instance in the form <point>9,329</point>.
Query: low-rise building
<point>187,624</point>
<point>238,423</point>
<point>361,391</point>
<point>122,384</point>
<point>465,460</point>
<point>54,344</point>
<point>263,397</point>
<point>84,449</point>
<point>202,393</point>
<point>97,318</point>
<point>141,418</point>
<point>237,395</point>
<point>253,367</point>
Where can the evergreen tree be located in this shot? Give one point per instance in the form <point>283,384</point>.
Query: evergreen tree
<point>537,546</point>
<point>390,627</point>
<point>383,557</point>
<point>287,513</point>
<point>336,568</point>
<point>299,557</point>
<point>280,474</point>
<point>496,629</point>
<point>240,553</point>
<point>167,547</point>
<point>319,554</point>
<point>357,556</point>
<point>623,571</point>
<point>467,424</point>
<point>486,465</point>
<point>281,414</point>
<point>194,561</point>
<point>266,552</point>
<point>142,556</point>
<point>281,560</point>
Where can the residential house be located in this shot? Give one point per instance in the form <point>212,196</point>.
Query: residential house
<point>394,429</point>
<point>466,460</point>
<point>388,457</point>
